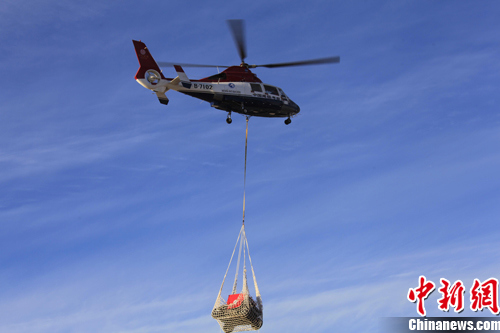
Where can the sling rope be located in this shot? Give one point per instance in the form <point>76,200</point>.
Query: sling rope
<point>241,312</point>
<point>217,301</point>
<point>245,172</point>
<point>257,292</point>
<point>235,284</point>
<point>242,231</point>
<point>242,242</point>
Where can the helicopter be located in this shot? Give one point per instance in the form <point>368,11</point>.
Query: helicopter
<point>236,89</point>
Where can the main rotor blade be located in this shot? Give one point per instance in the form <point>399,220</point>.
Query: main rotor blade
<point>167,64</point>
<point>238,31</point>
<point>319,61</point>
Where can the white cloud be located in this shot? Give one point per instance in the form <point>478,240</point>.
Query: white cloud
<point>124,298</point>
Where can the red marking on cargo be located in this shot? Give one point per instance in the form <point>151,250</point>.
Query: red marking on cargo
<point>234,300</point>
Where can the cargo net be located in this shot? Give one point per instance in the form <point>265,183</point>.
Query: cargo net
<point>240,312</point>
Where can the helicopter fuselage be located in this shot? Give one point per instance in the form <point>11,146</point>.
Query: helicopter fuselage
<point>236,89</point>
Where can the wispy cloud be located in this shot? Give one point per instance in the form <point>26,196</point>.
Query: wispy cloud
<point>35,158</point>
<point>95,301</point>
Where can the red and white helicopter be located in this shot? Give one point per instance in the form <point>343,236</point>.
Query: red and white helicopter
<point>236,89</point>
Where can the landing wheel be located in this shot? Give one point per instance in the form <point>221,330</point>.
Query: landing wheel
<point>288,121</point>
<point>229,120</point>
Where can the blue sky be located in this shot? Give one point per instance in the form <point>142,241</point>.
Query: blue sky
<point>118,214</point>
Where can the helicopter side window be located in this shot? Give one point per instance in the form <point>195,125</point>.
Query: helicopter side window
<point>271,90</point>
<point>256,87</point>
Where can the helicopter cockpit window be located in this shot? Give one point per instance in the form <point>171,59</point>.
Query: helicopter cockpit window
<point>283,96</point>
<point>256,87</point>
<point>271,90</point>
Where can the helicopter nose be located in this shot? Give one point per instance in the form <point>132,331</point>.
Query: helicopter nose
<point>297,107</point>
<point>291,108</point>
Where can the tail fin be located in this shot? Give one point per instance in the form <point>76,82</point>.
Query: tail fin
<point>146,60</point>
